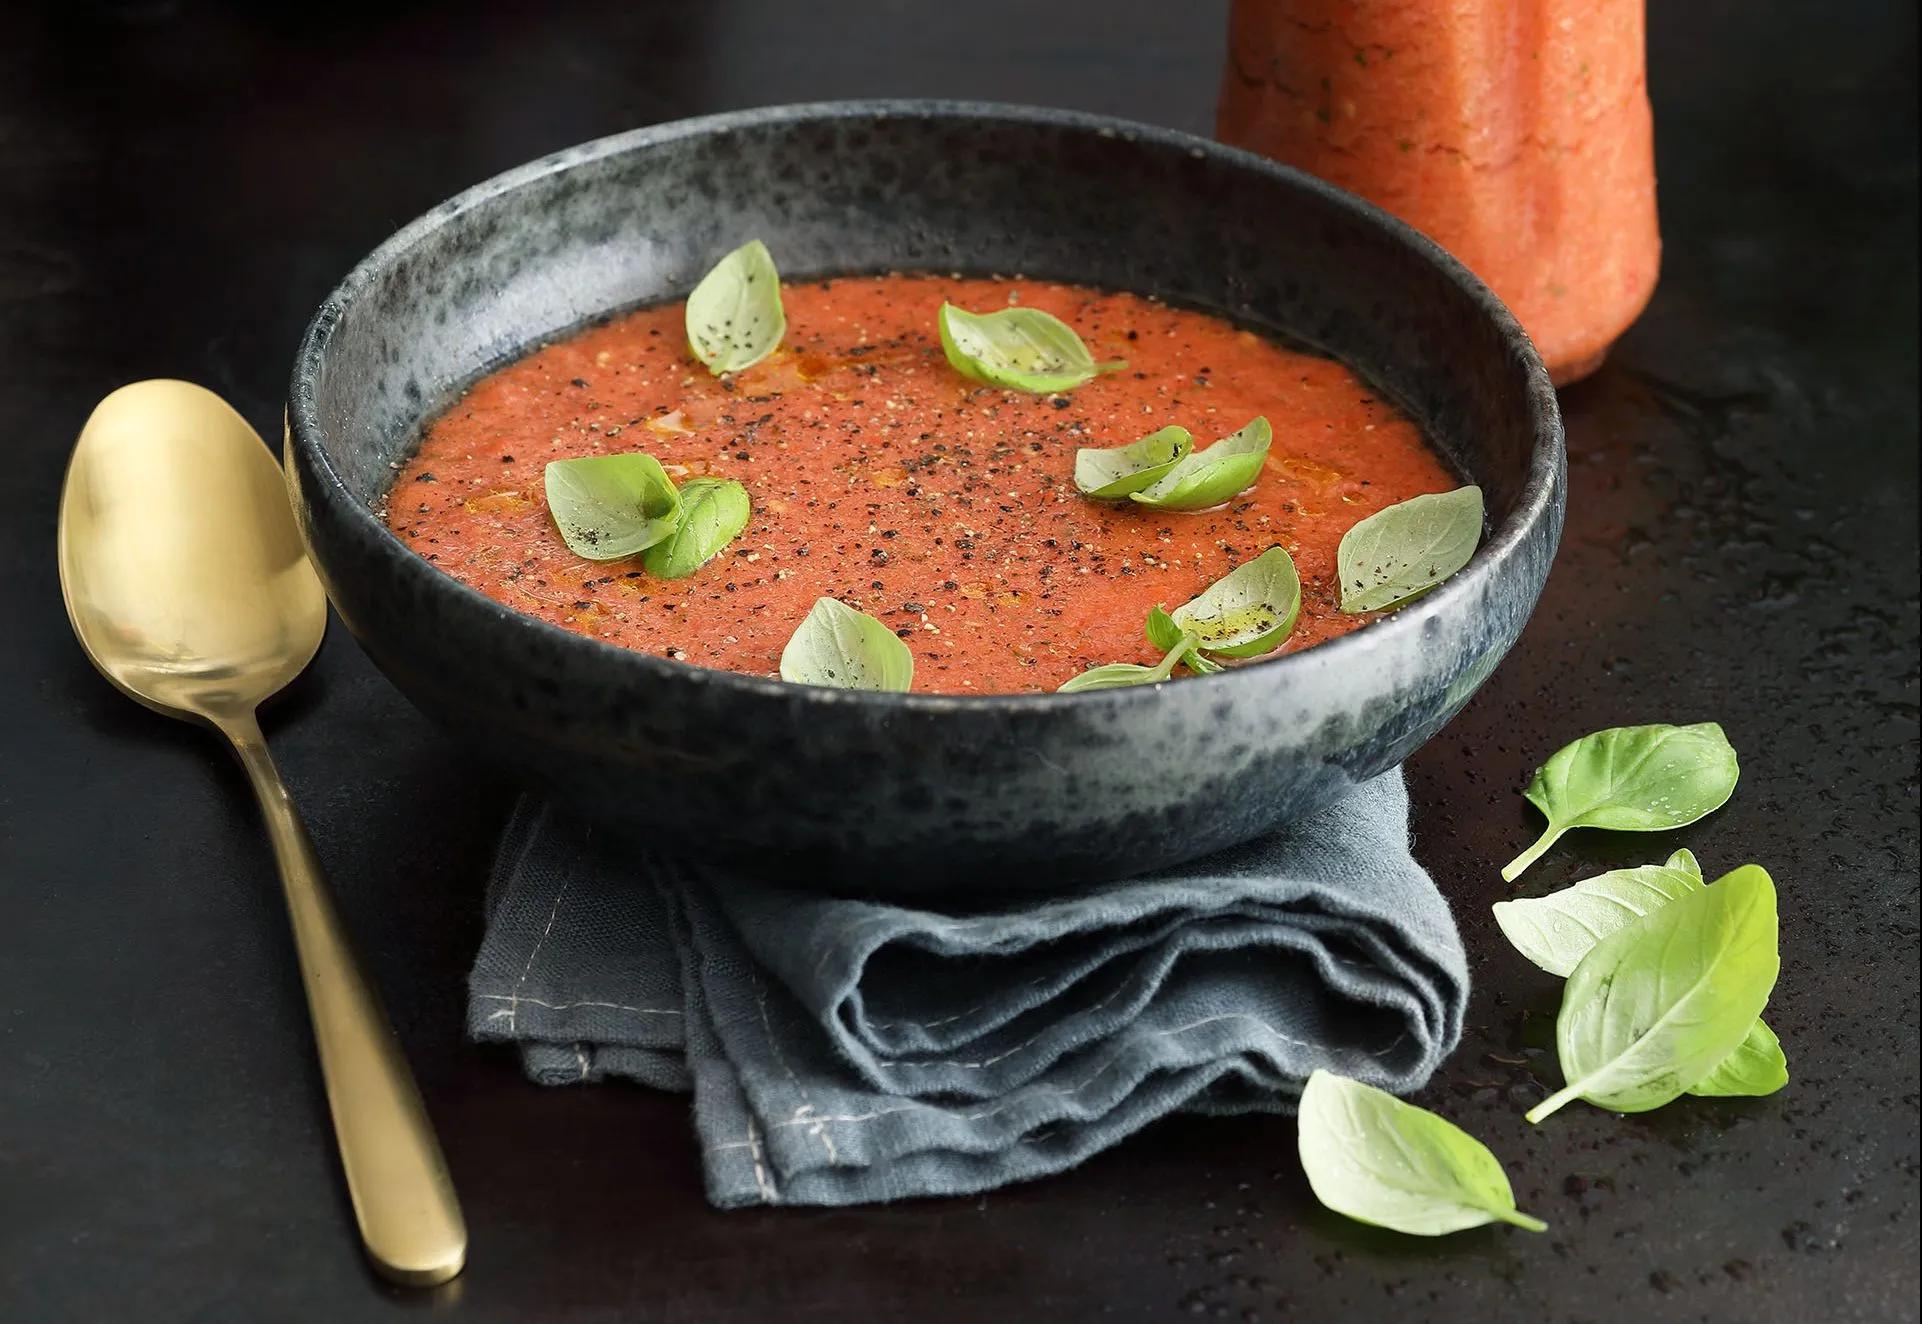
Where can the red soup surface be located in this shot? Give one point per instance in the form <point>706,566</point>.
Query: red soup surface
<point>882,477</point>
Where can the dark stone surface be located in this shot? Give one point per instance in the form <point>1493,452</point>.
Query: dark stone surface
<point>893,793</point>
<point>181,186</point>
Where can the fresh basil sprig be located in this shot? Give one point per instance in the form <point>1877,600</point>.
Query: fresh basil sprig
<point>611,506</point>
<point>1247,612</point>
<point>713,513</point>
<point>734,316</point>
<point>1556,931</point>
<point>1119,675</point>
<point>1214,474</point>
<point>1111,474</point>
<point>1022,349</point>
<point>842,648</point>
<point>1658,1005</point>
<point>1378,1160</point>
<point>1400,553</point>
<point>1631,779</point>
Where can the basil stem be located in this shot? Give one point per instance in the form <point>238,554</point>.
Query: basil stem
<point>1118,675</point>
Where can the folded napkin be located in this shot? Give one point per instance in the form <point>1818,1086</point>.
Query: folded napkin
<point>842,1050</point>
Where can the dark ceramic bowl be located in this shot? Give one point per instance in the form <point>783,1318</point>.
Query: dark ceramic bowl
<point>902,791</point>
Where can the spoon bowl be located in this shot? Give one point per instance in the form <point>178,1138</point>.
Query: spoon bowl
<point>188,588</point>
<point>183,572</point>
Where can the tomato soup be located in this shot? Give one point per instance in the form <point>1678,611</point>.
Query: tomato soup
<point>882,477</point>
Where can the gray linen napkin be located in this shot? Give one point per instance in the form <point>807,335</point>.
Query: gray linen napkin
<point>843,1050</point>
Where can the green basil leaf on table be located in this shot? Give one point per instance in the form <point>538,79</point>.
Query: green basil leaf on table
<point>734,316</point>
<point>1247,612</point>
<point>1120,675</point>
<point>1758,1066</point>
<point>1214,474</point>
<point>1631,779</point>
<point>1022,349</point>
<point>841,648</point>
<point>1378,1160</point>
<point>1110,474</point>
<point>611,506</point>
<point>1556,931</point>
<point>1164,634</point>
<point>713,513</point>
<point>1656,1006</point>
<point>1401,552</point>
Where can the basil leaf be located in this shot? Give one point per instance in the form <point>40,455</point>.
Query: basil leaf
<point>1400,553</point>
<point>734,316</point>
<point>1556,931</point>
<point>1758,1066</point>
<point>1119,675</point>
<point>1213,475</point>
<point>1022,349</point>
<point>1630,779</point>
<point>1113,676</point>
<point>1111,474</point>
<point>1378,1160</point>
<point>1164,634</point>
<point>845,649</point>
<point>713,513</point>
<point>1657,1005</point>
<point>1248,611</point>
<point>611,506</point>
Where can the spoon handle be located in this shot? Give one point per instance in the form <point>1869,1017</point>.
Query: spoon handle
<point>404,1201</point>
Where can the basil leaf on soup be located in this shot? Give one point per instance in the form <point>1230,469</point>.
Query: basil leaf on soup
<point>1213,475</point>
<point>1656,1007</point>
<point>734,316</point>
<point>611,506</point>
<point>842,648</point>
<point>1164,634</point>
<point>1248,611</point>
<point>1111,474</point>
<point>1378,1160</point>
<point>1631,779</point>
<point>1758,1066</point>
<point>1400,553</point>
<point>1556,931</point>
<point>1022,349</point>
<point>1119,675</point>
<point>713,513</point>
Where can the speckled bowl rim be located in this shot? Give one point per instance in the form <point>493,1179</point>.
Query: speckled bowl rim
<point>1494,557</point>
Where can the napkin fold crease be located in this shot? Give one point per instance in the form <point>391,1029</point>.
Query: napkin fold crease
<point>843,1050</point>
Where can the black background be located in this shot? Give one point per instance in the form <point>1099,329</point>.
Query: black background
<point>180,184</point>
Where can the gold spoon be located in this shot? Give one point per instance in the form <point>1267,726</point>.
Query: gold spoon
<point>186,582</point>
